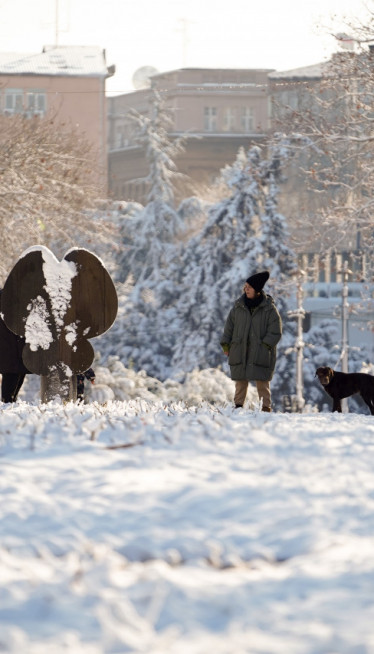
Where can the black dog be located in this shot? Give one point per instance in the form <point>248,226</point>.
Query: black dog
<point>340,384</point>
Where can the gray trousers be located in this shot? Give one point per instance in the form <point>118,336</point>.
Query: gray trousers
<point>263,390</point>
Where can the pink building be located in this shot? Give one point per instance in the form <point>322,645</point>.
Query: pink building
<point>63,81</point>
<point>216,110</point>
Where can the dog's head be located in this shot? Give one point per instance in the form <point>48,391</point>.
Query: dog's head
<point>325,375</point>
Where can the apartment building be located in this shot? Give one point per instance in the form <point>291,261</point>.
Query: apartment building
<point>67,83</point>
<point>323,253</point>
<point>216,110</point>
<point>219,111</point>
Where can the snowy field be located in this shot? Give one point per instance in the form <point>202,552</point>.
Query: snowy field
<point>215,531</point>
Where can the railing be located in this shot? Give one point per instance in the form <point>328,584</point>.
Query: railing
<point>334,289</point>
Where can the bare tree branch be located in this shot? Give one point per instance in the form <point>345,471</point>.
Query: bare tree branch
<point>47,188</point>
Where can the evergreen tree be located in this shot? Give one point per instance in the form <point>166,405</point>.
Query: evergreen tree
<point>215,263</point>
<point>244,233</point>
<point>152,231</point>
<point>150,240</point>
<point>280,260</point>
<point>173,319</point>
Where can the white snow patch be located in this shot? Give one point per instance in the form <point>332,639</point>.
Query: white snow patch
<point>58,276</point>
<point>37,329</point>
<point>208,530</point>
<point>71,333</point>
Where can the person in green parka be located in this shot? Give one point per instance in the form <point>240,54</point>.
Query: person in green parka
<point>252,330</point>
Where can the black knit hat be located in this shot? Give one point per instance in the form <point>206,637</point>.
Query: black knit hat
<point>258,280</point>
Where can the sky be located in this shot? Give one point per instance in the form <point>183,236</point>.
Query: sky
<point>170,34</point>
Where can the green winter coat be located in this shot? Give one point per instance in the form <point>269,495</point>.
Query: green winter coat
<point>252,339</point>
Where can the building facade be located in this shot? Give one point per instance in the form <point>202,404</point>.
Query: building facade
<point>323,251</point>
<point>217,111</point>
<point>66,83</point>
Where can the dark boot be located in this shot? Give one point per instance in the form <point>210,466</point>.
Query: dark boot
<point>266,408</point>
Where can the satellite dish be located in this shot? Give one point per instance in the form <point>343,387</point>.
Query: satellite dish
<point>141,77</point>
<point>345,41</point>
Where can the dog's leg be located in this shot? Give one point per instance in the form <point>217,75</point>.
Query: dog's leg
<point>370,404</point>
<point>337,405</point>
<point>369,401</point>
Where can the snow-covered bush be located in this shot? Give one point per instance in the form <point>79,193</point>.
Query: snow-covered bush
<point>116,382</point>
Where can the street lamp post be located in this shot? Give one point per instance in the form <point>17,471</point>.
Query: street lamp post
<point>345,312</point>
<point>300,402</point>
<point>299,314</point>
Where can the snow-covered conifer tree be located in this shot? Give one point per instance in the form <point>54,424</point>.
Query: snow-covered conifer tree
<point>150,247</point>
<point>280,260</point>
<point>174,318</point>
<point>214,264</point>
<point>154,229</point>
<point>243,234</point>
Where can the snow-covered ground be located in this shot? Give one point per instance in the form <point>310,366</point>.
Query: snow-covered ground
<point>215,531</point>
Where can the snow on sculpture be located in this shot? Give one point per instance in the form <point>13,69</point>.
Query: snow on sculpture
<point>56,306</point>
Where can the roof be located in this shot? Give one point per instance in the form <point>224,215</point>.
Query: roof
<point>229,74</point>
<point>315,71</point>
<point>82,61</point>
<point>210,70</point>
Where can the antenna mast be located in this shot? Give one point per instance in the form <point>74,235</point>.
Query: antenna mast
<point>57,30</point>
<point>56,23</point>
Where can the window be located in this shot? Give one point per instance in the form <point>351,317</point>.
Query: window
<point>247,119</point>
<point>124,135</point>
<point>13,101</point>
<point>36,103</point>
<point>210,119</point>
<point>18,101</point>
<point>229,119</point>
<point>120,137</point>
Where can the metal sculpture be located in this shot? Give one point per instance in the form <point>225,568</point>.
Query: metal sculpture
<point>57,306</point>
